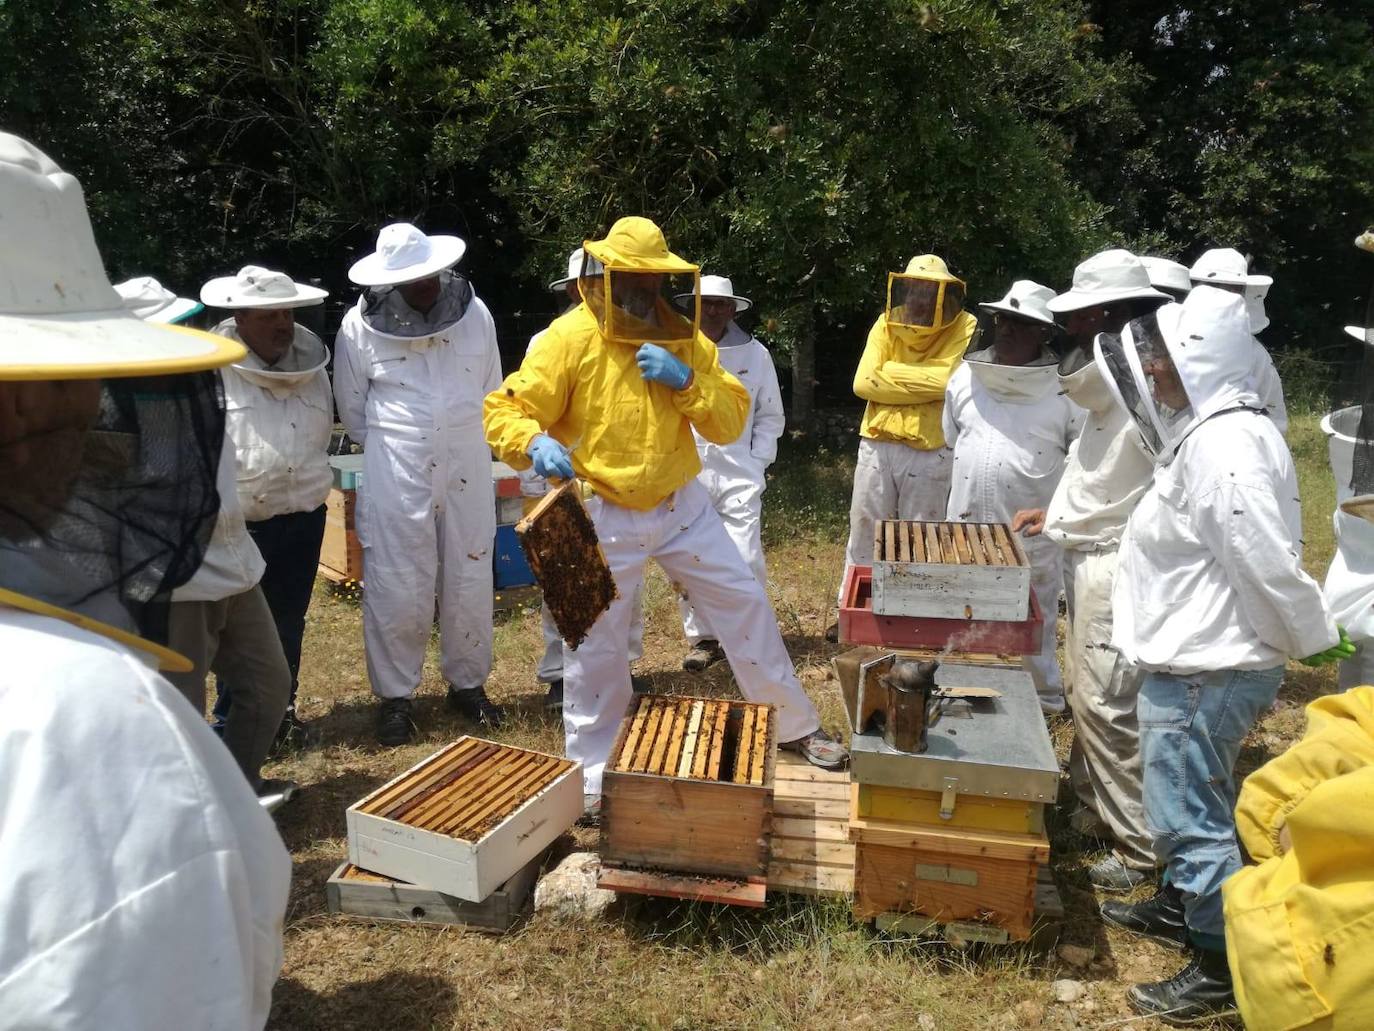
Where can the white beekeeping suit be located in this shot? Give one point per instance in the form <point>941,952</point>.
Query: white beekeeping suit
<point>1011,427</point>
<point>733,474</point>
<point>410,389</point>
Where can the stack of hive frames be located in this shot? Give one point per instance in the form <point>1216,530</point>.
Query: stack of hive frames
<point>949,570</point>
<point>689,787</point>
<point>565,556</point>
<point>466,818</point>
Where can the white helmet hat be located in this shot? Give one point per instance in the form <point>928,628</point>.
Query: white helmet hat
<point>406,255</point>
<point>257,287</point>
<point>1225,266</point>
<point>59,316</point>
<point>1167,274</point>
<point>1026,299</point>
<point>720,286</point>
<point>1105,278</point>
<point>153,302</point>
<point>574,271</point>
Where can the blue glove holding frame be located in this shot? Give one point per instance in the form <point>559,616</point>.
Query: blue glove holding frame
<point>551,459</point>
<point>662,366</point>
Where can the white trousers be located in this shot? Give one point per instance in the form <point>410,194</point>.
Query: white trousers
<point>1104,762</point>
<point>740,507</point>
<point>893,481</point>
<point>551,662</point>
<point>406,561</point>
<point>685,536</point>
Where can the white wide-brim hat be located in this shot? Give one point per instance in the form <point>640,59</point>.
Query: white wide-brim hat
<point>1105,278</point>
<point>1026,299</point>
<point>1227,266</point>
<point>60,318</point>
<point>257,287</point>
<point>574,271</point>
<point>406,255</point>
<point>1358,332</point>
<point>1167,274</point>
<point>153,302</point>
<point>721,287</point>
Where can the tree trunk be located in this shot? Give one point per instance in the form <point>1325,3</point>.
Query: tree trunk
<point>804,376</point>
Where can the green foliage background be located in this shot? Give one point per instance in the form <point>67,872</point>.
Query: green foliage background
<point>805,148</point>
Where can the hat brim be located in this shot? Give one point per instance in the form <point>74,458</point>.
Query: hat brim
<point>106,345</point>
<point>445,252</point>
<point>558,284</point>
<point>1020,313</point>
<point>1228,279</point>
<point>223,292</point>
<point>617,262</point>
<point>742,304</point>
<point>1358,332</point>
<point>180,308</point>
<point>1073,300</point>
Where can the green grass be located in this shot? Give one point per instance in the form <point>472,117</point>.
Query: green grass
<point>656,964</point>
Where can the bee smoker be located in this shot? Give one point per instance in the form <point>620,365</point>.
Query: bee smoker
<point>909,686</point>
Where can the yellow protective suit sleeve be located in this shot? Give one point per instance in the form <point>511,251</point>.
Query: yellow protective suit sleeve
<point>531,398</point>
<point>1339,740</point>
<point>869,381</point>
<point>716,403</point>
<point>903,366</point>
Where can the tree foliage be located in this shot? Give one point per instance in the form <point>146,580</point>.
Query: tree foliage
<point>804,148</point>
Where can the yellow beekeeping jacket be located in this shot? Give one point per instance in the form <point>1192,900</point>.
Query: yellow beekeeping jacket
<point>631,440</point>
<point>903,374</point>
<point>1300,925</point>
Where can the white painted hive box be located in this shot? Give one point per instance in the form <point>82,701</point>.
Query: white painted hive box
<point>949,571</point>
<point>467,818</point>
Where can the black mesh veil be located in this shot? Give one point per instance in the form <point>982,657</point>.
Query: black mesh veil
<point>1362,464</point>
<point>133,521</point>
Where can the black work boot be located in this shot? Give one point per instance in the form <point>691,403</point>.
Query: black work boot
<point>395,725</point>
<point>1159,917</point>
<point>1200,991</point>
<point>704,654</point>
<point>476,706</point>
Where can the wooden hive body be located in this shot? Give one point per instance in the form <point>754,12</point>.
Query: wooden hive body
<point>949,570</point>
<point>341,556</point>
<point>466,819</point>
<point>566,558</point>
<point>689,787</point>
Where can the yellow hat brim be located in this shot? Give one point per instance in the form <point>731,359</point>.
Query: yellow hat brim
<point>106,345</point>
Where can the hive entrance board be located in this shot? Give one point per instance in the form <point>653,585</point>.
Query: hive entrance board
<point>566,558</point>
<point>949,570</point>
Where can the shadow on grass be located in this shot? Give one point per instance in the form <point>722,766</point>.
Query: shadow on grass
<point>395,999</point>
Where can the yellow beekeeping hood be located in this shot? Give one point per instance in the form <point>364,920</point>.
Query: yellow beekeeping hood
<point>629,280</point>
<point>925,296</point>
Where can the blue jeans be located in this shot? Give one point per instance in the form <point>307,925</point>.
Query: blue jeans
<point>1191,729</point>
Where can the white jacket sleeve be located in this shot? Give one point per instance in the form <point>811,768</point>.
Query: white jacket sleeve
<point>769,417</point>
<point>1242,524</point>
<point>351,382</point>
<point>949,423</point>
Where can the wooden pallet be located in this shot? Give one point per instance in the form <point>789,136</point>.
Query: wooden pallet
<point>811,853</point>
<point>563,552</point>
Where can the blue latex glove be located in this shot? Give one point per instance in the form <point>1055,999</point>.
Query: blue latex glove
<point>1342,649</point>
<point>661,366</point>
<point>551,459</point>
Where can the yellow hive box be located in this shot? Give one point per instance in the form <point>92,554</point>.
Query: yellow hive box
<point>974,812</point>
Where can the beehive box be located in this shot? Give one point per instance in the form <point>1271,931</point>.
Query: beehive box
<point>922,808</point>
<point>467,818</point>
<point>689,787</point>
<point>341,556</point>
<point>950,571</point>
<point>364,895</point>
<point>563,552</point>
<point>947,873</point>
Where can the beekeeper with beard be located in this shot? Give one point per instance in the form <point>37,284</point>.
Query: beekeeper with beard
<point>413,361</point>
<point>143,884</point>
<point>913,348</point>
<point>279,412</point>
<point>612,395</point>
<point>1104,476</point>
<point>1210,601</point>
<point>733,474</point>
<point>1010,427</point>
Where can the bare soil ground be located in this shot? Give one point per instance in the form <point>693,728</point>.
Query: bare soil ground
<point>656,964</point>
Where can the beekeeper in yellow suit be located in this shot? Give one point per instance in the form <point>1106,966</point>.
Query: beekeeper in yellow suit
<point>611,393</point>
<point>1299,925</point>
<point>904,465</point>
